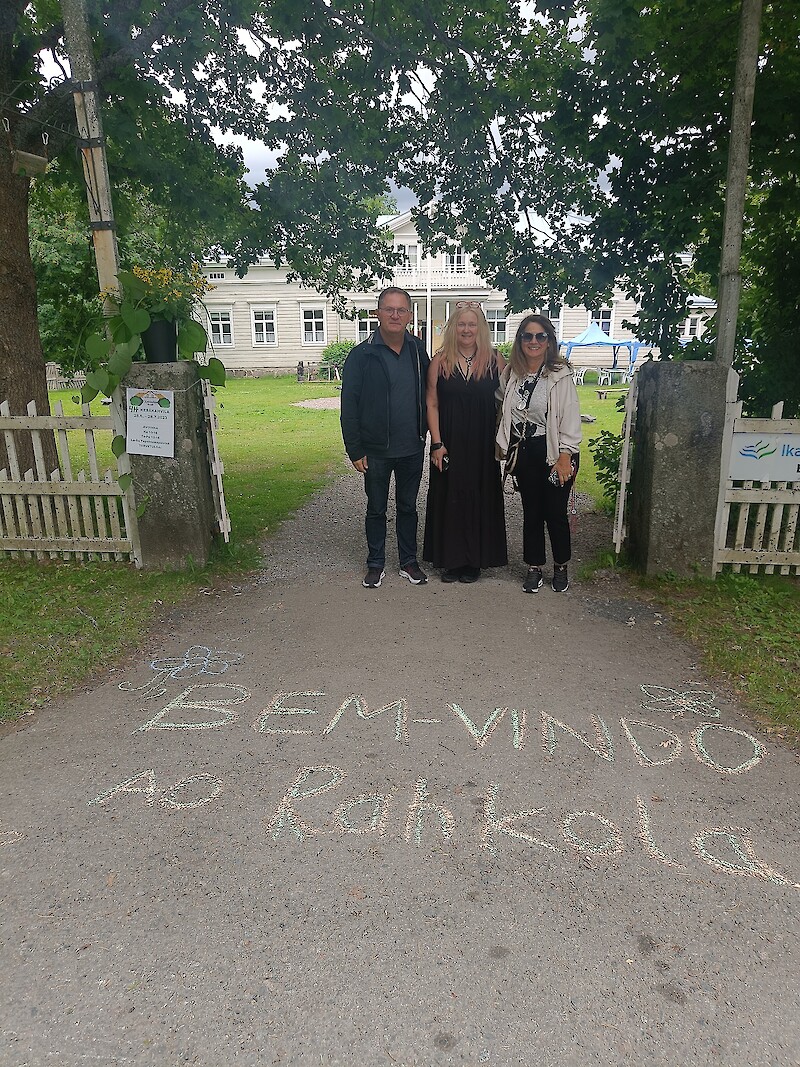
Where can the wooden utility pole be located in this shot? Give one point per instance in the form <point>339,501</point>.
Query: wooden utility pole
<point>92,143</point>
<point>730,278</point>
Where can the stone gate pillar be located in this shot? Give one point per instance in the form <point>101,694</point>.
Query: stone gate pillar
<point>677,465</point>
<point>178,522</point>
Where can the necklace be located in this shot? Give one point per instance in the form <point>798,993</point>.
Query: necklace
<point>468,360</point>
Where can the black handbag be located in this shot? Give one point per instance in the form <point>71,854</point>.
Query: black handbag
<point>512,458</point>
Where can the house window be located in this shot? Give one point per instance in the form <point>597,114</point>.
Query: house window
<point>553,312</point>
<point>410,256</point>
<point>691,328</point>
<point>603,320</point>
<point>216,276</point>
<point>497,325</point>
<point>313,326</point>
<point>264,326</point>
<point>221,327</point>
<point>366,326</point>
<point>456,261</point>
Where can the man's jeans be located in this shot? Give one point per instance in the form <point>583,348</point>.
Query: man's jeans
<point>407,476</point>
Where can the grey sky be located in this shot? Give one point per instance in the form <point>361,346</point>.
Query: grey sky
<point>259,159</point>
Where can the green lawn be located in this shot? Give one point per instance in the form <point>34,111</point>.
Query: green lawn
<point>275,455</point>
<point>59,622</point>
<point>608,418</point>
<point>746,627</point>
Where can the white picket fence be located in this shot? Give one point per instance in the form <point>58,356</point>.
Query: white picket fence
<point>624,474</point>
<point>757,522</point>
<point>59,514</point>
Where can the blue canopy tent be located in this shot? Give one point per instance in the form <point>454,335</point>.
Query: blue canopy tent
<point>593,335</point>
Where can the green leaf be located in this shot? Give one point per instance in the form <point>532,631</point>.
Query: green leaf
<point>97,347</point>
<point>136,319</point>
<point>141,507</point>
<point>130,348</point>
<point>120,331</point>
<point>216,371</point>
<point>121,360</point>
<point>99,381</point>
<point>192,338</point>
<point>118,445</point>
<point>132,287</point>
<point>125,481</point>
<point>88,393</point>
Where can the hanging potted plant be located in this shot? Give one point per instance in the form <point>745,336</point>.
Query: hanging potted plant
<point>154,320</point>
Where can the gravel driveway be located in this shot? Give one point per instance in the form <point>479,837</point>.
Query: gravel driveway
<point>318,824</point>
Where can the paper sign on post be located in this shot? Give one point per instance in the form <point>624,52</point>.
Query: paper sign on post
<point>151,422</point>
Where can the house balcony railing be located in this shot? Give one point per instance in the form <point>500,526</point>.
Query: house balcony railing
<point>449,281</point>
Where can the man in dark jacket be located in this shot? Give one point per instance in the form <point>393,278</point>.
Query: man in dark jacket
<point>384,429</point>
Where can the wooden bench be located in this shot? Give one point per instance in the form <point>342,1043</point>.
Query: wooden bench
<point>603,393</point>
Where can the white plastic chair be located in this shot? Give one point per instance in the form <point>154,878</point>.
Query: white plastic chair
<point>603,376</point>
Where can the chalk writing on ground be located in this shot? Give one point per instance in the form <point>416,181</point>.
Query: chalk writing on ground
<point>9,837</point>
<point>651,744</point>
<point>144,784</point>
<point>201,701</point>
<point>421,820</point>
<point>415,815</point>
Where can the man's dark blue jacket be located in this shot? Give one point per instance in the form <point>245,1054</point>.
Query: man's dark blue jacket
<point>365,398</point>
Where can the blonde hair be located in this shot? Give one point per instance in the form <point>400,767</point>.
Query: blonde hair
<point>485,356</point>
<point>552,360</point>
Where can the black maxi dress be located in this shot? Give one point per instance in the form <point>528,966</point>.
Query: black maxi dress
<point>465,524</point>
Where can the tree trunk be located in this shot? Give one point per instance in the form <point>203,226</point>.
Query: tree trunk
<point>730,278</point>
<point>22,365</point>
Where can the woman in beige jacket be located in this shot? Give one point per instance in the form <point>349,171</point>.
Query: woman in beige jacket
<point>540,407</point>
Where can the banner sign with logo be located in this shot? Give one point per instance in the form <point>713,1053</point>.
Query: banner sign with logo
<point>150,422</point>
<point>765,457</point>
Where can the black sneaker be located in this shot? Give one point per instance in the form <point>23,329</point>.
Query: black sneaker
<point>451,575</point>
<point>560,581</point>
<point>469,575</point>
<point>533,580</point>
<point>414,574</point>
<point>373,578</point>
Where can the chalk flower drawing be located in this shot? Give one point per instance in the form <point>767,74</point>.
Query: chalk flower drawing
<point>696,701</point>
<point>196,660</point>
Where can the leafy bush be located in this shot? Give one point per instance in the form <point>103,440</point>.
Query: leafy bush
<point>504,347</point>
<point>606,449</point>
<point>337,352</point>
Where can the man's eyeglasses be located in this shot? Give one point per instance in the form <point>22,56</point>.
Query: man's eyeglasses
<point>395,311</point>
<point>460,304</point>
<point>528,337</point>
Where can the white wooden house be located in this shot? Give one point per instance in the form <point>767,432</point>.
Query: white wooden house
<point>264,324</point>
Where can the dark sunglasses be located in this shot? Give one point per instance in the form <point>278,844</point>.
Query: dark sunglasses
<point>526,337</point>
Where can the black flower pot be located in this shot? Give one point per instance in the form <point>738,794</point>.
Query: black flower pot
<point>160,342</point>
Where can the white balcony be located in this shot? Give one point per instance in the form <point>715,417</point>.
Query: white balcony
<point>440,280</point>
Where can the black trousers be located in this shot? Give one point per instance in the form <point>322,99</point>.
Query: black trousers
<point>543,504</point>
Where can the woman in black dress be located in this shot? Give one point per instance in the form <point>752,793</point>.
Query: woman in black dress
<point>465,527</point>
